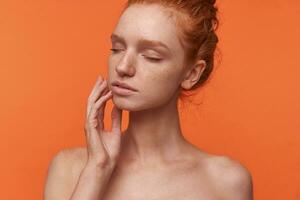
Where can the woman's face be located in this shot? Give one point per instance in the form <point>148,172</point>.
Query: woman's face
<point>148,56</point>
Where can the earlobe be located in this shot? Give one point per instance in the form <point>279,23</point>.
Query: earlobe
<point>185,85</point>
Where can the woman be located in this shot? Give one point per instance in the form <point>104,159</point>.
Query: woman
<point>159,47</point>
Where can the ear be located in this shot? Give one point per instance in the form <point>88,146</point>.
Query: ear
<point>193,75</point>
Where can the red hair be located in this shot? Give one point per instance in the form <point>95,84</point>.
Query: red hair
<point>198,22</point>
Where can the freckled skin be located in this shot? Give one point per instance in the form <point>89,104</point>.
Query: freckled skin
<point>179,170</point>
<point>157,82</point>
<point>156,162</point>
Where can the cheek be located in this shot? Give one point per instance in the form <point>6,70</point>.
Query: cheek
<point>169,77</point>
<point>111,66</point>
<point>162,83</point>
<point>111,62</point>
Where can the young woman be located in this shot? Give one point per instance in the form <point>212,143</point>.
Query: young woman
<point>159,47</point>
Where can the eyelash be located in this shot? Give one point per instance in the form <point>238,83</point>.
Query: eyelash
<point>115,50</point>
<point>149,58</point>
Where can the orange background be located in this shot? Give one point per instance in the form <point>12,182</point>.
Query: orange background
<point>52,51</point>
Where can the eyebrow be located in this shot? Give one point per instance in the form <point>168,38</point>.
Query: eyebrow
<point>141,41</point>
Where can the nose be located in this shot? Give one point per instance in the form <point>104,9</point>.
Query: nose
<point>126,65</point>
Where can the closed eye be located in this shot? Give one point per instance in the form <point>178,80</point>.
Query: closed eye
<point>115,50</point>
<point>153,59</point>
<point>148,58</point>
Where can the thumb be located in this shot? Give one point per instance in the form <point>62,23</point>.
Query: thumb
<point>116,117</point>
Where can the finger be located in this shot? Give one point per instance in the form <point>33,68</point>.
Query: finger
<point>106,88</point>
<point>95,109</point>
<point>116,118</point>
<point>99,88</point>
<point>95,95</point>
<point>101,113</point>
<point>96,86</point>
<point>97,83</point>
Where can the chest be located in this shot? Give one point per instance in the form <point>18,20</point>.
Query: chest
<point>158,185</point>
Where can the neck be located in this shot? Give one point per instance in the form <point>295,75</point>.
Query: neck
<point>153,135</point>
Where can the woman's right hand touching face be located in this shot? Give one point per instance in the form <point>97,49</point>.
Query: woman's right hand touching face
<point>103,147</point>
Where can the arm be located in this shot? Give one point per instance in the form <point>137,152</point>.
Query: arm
<point>103,148</point>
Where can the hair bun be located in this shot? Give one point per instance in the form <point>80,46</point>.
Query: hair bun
<point>212,2</point>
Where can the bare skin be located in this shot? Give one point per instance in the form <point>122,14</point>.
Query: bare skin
<point>205,176</point>
<point>152,159</point>
<point>186,173</point>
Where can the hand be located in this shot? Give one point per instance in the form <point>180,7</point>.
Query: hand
<point>103,147</point>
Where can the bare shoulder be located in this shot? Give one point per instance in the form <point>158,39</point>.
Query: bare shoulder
<point>75,157</point>
<point>231,177</point>
<point>63,173</point>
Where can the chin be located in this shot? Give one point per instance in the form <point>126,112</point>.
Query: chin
<point>125,103</point>
<point>130,104</point>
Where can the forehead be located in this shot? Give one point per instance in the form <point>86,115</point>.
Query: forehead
<point>148,21</point>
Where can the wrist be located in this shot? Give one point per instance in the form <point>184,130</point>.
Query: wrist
<point>98,169</point>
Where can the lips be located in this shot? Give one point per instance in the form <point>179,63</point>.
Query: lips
<point>123,85</point>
